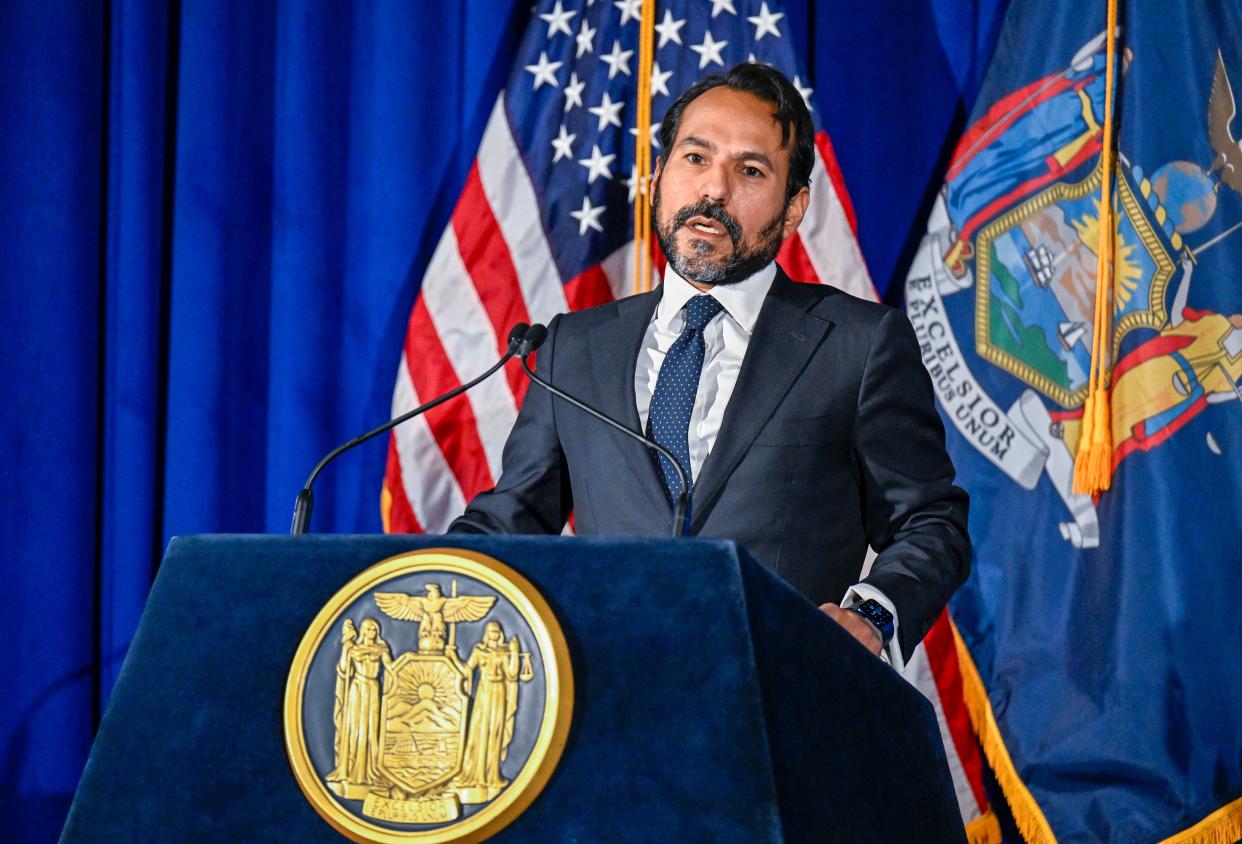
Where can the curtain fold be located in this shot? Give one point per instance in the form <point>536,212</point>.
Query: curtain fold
<point>52,57</point>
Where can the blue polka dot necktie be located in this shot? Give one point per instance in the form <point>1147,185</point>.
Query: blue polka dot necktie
<point>668,422</point>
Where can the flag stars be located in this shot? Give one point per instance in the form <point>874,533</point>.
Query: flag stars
<point>573,91</point>
<point>617,60</point>
<point>765,22</point>
<point>669,29</point>
<point>803,90</point>
<point>608,112</point>
<point>544,71</point>
<point>588,216</point>
<point>558,20</point>
<point>719,6</point>
<point>584,36</point>
<point>597,165</point>
<point>631,184</point>
<point>659,80</point>
<point>709,50</point>
<point>563,144</point>
<point>655,134</point>
<point>630,10</point>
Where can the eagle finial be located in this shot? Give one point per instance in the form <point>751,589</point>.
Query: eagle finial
<point>1222,108</point>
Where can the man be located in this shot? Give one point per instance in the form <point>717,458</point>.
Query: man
<point>803,415</point>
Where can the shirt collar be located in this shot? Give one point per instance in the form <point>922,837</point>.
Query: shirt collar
<point>742,301</point>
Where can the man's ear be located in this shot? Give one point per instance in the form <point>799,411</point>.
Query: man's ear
<point>795,212</point>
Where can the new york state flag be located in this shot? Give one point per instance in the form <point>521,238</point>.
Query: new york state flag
<point>1099,636</point>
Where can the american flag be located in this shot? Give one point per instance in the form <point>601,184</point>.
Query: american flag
<point>544,225</point>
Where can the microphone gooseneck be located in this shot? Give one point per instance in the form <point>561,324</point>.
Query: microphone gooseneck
<point>306,500</point>
<point>530,343</point>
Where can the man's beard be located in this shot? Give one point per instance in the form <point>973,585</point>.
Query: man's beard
<point>696,264</point>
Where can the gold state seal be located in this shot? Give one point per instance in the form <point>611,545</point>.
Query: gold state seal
<point>429,700</point>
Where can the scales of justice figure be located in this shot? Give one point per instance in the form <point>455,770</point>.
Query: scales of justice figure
<point>426,726</point>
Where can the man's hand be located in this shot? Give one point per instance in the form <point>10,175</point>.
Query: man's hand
<point>856,626</point>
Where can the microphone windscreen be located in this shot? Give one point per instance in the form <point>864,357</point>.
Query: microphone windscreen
<point>534,338</point>
<point>516,335</point>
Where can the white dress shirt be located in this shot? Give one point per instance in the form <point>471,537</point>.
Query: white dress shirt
<point>726,338</point>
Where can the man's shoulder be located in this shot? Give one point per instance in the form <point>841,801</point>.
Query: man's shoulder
<point>837,305</point>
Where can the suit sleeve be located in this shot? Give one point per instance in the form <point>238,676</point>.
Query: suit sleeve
<point>915,517</point>
<point>533,493</point>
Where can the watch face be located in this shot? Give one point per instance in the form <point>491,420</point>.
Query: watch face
<point>875,612</point>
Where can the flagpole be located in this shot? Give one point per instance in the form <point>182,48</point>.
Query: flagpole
<point>642,151</point>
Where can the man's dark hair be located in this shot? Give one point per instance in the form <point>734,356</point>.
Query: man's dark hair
<point>770,85</point>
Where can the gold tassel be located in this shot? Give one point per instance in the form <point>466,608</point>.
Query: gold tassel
<point>1093,464</point>
<point>642,151</point>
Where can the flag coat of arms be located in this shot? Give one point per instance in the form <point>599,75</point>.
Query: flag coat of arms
<point>544,225</point>
<point>1098,637</point>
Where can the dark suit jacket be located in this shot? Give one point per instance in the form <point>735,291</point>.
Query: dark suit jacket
<point>830,442</point>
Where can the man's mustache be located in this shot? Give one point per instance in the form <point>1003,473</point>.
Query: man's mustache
<point>711,211</point>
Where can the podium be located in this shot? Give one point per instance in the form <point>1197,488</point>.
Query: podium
<point>711,701</point>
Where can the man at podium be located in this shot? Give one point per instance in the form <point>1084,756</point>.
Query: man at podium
<point>802,415</point>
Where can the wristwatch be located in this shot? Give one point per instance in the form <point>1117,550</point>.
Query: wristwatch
<point>880,618</point>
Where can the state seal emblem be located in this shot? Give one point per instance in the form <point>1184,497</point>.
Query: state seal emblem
<point>429,700</point>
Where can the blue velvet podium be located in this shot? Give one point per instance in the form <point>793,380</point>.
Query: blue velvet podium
<point>712,702</point>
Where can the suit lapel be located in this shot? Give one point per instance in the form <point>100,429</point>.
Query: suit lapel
<point>784,339</point>
<point>614,347</point>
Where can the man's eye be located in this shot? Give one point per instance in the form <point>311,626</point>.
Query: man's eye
<point>751,171</point>
<point>694,158</point>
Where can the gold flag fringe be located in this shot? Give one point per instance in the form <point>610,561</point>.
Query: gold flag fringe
<point>1026,812</point>
<point>1093,464</point>
<point>1224,826</point>
<point>386,508</point>
<point>984,829</point>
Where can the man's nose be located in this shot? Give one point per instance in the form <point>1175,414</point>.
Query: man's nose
<point>715,185</point>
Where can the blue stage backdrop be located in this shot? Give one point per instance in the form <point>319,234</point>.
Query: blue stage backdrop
<point>213,219</point>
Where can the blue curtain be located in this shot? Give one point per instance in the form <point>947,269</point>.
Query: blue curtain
<point>214,219</point>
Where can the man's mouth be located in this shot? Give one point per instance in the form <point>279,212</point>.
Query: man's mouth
<point>705,225</point>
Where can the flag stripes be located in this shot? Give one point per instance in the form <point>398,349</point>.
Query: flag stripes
<point>512,200</point>
<point>491,269</point>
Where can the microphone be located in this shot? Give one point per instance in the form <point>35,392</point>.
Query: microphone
<point>533,340</point>
<point>306,500</point>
